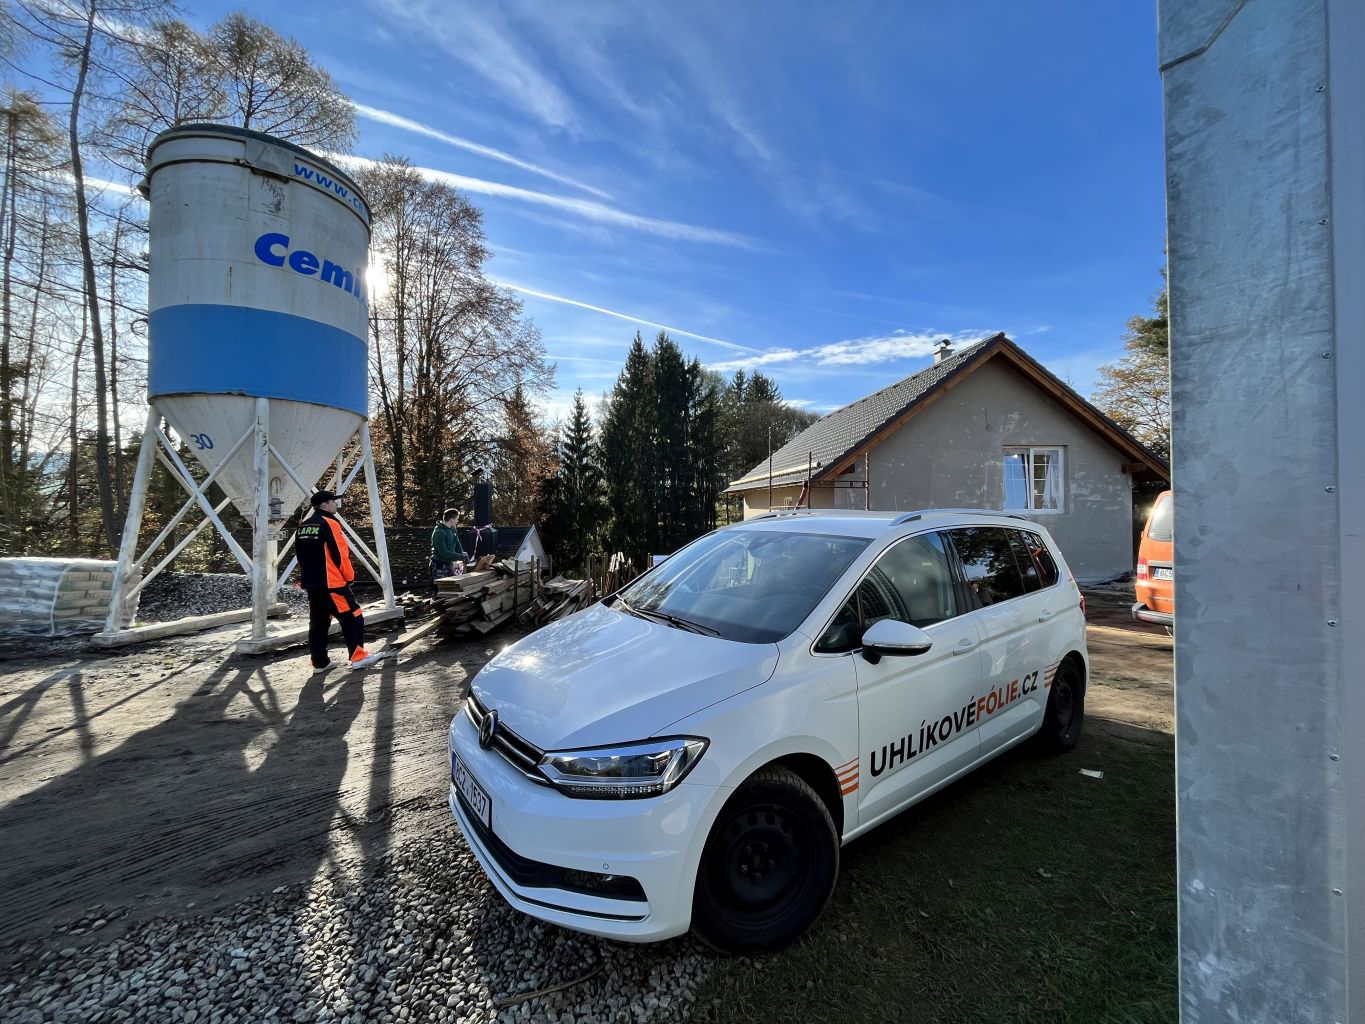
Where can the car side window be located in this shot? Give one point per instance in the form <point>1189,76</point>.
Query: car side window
<point>844,633</point>
<point>1023,557</point>
<point>988,563</point>
<point>911,582</point>
<point>1048,575</point>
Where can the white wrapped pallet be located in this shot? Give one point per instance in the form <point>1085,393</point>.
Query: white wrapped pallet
<point>54,596</point>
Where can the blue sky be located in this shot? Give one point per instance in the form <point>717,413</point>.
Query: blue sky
<point>820,190</point>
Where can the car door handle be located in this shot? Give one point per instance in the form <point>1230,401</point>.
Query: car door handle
<point>963,646</point>
<point>1046,615</point>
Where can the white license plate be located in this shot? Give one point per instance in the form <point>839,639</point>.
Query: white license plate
<point>1163,574</point>
<point>471,790</point>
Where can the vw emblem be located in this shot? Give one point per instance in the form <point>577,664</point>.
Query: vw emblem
<point>488,729</point>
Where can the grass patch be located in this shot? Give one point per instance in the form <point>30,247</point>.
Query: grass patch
<point>1025,892</point>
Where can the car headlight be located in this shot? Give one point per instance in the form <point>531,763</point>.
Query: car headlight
<point>647,768</point>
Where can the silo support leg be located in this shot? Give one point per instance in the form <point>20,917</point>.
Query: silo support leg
<point>376,515</point>
<point>137,502</point>
<point>262,539</point>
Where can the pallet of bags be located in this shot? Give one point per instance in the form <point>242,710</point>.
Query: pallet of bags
<point>55,596</point>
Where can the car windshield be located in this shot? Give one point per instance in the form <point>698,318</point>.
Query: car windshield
<point>754,586</point>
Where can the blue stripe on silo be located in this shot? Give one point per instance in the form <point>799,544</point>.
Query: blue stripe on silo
<point>236,350</point>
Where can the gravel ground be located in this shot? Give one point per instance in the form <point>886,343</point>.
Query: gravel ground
<point>174,595</point>
<point>417,935</point>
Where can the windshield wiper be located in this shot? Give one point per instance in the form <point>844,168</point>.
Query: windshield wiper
<point>664,617</point>
<point>676,620</point>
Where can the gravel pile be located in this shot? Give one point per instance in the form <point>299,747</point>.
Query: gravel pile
<point>174,595</point>
<point>422,938</point>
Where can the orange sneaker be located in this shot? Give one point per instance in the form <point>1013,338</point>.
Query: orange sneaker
<point>362,658</point>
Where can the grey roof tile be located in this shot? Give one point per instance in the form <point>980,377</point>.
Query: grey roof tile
<point>846,430</point>
<point>831,437</point>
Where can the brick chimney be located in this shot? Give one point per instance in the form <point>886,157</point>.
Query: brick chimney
<point>943,351</point>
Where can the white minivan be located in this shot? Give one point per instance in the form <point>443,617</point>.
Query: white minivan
<point>694,750</point>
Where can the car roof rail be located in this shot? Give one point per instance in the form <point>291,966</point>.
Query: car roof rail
<point>845,512</point>
<point>910,517</point>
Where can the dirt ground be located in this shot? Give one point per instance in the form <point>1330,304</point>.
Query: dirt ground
<point>177,777</point>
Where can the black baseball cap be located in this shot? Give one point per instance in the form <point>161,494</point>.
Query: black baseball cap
<point>322,496</point>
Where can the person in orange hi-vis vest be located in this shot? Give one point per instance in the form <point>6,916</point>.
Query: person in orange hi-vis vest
<point>325,572</point>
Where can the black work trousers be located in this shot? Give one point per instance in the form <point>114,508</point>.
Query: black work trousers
<point>323,606</point>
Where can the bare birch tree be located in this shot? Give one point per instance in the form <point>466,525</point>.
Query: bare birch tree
<point>449,349</point>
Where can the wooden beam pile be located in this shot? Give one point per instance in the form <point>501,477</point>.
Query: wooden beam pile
<point>558,597</point>
<point>477,603</point>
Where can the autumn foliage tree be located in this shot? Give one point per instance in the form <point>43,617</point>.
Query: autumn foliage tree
<point>1135,392</point>
<point>523,459</point>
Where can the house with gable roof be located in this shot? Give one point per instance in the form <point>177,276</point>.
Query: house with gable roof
<point>984,427</point>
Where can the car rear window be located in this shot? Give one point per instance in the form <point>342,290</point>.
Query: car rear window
<point>1047,566</point>
<point>1162,525</point>
<point>1027,568</point>
<point>988,563</point>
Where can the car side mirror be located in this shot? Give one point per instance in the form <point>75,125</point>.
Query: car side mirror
<point>892,638</point>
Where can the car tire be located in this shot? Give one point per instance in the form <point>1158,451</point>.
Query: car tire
<point>768,867</point>
<point>1065,713</point>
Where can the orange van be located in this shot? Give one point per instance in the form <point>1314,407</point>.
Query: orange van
<point>1156,566</point>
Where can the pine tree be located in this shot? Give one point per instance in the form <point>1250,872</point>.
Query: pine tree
<point>629,463</point>
<point>754,415</point>
<point>575,510</point>
<point>673,483</point>
<point>707,448</point>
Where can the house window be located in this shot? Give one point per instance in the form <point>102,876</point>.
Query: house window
<point>1035,479</point>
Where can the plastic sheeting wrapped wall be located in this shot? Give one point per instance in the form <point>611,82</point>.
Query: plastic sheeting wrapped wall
<point>54,596</point>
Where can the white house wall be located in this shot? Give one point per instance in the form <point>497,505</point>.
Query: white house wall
<point>951,455</point>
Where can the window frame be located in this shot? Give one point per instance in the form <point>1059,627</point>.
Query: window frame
<point>1028,451</point>
<point>954,571</point>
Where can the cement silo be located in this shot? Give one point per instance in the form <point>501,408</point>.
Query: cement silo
<point>257,355</point>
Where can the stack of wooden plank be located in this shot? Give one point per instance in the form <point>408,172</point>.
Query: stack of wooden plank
<point>558,597</point>
<point>476,603</point>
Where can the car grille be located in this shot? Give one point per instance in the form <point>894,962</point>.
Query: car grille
<point>516,751</point>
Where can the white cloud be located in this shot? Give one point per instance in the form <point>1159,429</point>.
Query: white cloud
<point>776,355</point>
<point>418,128</point>
<point>853,352</point>
<point>877,350</point>
<point>480,38</point>
<point>586,208</point>
<point>105,185</point>
<point>622,316</point>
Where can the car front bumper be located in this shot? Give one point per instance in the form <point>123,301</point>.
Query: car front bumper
<point>1144,614</point>
<point>538,835</point>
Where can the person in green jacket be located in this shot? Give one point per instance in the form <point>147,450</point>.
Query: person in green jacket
<point>447,554</point>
